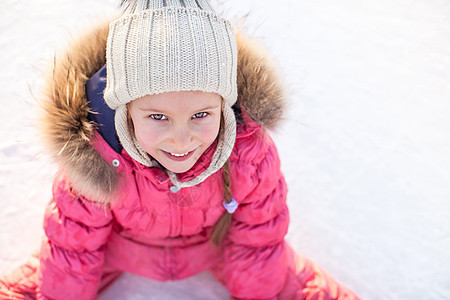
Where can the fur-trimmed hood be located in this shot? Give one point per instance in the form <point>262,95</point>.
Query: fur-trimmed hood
<point>68,132</point>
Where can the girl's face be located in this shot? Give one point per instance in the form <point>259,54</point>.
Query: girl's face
<point>175,128</point>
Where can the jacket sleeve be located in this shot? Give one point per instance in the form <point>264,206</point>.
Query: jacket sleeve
<point>255,264</point>
<point>258,262</point>
<point>72,252</point>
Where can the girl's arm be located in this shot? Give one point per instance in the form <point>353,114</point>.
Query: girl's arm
<point>72,253</point>
<point>255,265</point>
<point>259,264</point>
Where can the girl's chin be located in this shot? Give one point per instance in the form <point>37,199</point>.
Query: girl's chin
<point>178,168</point>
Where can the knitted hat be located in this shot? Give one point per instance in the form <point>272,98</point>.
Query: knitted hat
<point>159,46</point>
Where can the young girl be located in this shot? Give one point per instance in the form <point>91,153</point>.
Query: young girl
<point>166,165</point>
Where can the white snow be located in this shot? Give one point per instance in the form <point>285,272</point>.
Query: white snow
<point>365,148</point>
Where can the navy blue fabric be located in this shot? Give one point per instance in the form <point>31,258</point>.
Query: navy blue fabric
<point>103,116</point>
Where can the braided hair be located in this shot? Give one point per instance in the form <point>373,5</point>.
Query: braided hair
<point>221,227</point>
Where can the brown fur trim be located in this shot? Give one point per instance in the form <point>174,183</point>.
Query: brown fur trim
<point>68,133</point>
<point>65,126</point>
<point>261,93</point>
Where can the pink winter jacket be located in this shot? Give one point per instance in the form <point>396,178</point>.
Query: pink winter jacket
<point>109,213</point>
<point>153,232</point>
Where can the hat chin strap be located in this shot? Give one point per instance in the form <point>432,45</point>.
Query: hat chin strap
<point>128,139</point>
<point>227,138</point>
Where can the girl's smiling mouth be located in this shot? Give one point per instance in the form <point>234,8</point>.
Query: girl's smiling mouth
<point>174,154</point>
<point>179,156</point>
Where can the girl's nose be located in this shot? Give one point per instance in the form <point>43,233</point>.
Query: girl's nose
<point>181,137</point>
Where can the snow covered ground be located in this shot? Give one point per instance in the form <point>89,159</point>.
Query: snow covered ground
<point>365,149</point>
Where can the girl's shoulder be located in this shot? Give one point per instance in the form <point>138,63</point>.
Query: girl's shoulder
<point>253,142</point>
<point>254,162</point>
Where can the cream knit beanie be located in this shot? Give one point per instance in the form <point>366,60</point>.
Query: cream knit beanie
<point>159,46</point>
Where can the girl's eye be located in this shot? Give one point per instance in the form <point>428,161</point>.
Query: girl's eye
<point>199,115</point>
<point>158,117</point>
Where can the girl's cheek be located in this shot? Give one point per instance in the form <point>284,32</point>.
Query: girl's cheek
<point>149,133</point>
<point>154,135</point>
<point>209,132</point>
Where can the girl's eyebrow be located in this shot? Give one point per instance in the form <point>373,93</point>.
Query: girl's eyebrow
<point>212,107</point>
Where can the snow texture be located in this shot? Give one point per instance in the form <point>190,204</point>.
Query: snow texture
<point>365,148</point>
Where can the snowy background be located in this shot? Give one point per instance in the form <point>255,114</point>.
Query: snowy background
<point>365,149</point>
